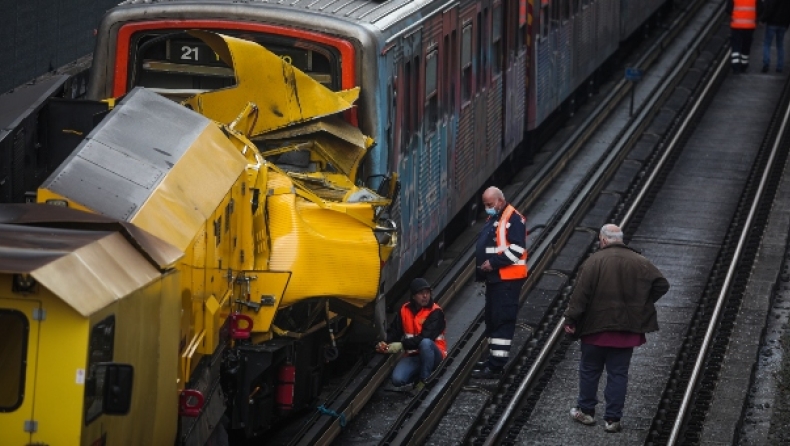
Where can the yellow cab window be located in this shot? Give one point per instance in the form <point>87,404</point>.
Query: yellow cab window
<point>14,329</point>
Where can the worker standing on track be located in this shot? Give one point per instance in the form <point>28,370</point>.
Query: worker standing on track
<point>419,330</point>
<point>743,21</point>
<point>502,263</point>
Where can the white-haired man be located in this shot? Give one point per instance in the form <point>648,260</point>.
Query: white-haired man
<point>611,309</point>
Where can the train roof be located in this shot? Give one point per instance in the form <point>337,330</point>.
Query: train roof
<point>379,14</point>
<point>87,260</point>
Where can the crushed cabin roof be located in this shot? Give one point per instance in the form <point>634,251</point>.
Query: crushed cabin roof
<point>87,260</point>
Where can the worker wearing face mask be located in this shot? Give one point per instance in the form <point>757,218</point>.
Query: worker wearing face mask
<point>502,264</point>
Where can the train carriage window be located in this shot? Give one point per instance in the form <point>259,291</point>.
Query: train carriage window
<point>179,65</point>
<point>466,63</point>
<point>496,35</point>
<point>14,328</point>
<point>566,10</point>
<point>577,7</point>
<point>100,350</point>
<point>431,90</point>
<point>406,122</point>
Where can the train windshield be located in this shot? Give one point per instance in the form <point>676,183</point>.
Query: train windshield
<point>179,65</point>
<point>13,345</point>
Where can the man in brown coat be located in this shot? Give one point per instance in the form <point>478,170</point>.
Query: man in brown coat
<point>611,309</point>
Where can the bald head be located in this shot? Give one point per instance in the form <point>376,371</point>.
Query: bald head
<point>609,234</point>
<point>493,198</point>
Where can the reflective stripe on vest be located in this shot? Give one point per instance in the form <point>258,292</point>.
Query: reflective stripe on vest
<point>518,270</point>
<point>412,326</point>
<point>744,14</point>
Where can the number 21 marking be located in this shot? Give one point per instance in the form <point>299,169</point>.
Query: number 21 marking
<point>189,53</point>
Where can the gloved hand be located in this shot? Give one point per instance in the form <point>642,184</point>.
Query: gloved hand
<point>395,347</point>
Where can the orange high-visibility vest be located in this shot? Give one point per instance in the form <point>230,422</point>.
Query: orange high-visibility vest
<point>744,14</point>
<point>412,326</point>
<point>518,270</point>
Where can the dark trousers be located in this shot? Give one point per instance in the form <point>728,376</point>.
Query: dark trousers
<point>500,315</point>
<point>420,366</point>
<point>594,360</point>
<point>741,43</point>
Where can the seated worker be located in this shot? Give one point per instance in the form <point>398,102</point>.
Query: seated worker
<point>419,330</point>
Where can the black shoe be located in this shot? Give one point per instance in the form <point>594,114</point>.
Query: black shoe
<point>480,365</point>
<point>487,373</point>
<point>765,68</point>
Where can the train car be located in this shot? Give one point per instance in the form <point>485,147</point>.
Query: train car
<point>86,333</point>
<point>448,88</point>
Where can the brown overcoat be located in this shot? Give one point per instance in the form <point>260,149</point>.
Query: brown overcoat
<point>616,290</point>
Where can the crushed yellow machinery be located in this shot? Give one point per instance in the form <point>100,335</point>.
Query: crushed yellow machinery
<point>257,185</point>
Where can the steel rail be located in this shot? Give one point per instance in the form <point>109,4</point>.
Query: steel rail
<point>559,328</point>
<point>678,424</point>
<point>451,281</point>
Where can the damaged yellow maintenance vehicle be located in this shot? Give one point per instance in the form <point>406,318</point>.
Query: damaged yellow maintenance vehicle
<point>264,248</point>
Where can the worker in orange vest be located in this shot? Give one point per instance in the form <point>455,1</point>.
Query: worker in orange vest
<point>743,21</point>
<point>419,331</point>
<point>501,255</point>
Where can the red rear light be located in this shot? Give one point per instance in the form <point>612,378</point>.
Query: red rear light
<point>190,403</point>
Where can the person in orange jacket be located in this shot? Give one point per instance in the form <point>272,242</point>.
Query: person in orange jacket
<point>419,331</point>
<point>743,21</point>
<point>501,256</point>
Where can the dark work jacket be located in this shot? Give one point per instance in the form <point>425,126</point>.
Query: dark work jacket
<point>776,13</point>
<point>516,235</point>
<point>616,290</point>
<point>433,326</point>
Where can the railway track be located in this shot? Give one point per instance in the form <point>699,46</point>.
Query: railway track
<point>410,418</point>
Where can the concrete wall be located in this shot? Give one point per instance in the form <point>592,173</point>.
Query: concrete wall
<point>37,36</point>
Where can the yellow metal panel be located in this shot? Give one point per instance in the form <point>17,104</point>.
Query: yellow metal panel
<point>337,141</point>
<point>97,274</point>
<point>179,207</point>
<point>329,253</point>
<point>267,284</point>
<point>283,94</point>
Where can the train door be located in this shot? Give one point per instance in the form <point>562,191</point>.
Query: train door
<point>466,170</point>
<point>409,142</point>
<point>19,319</point>
<point>448,98</point>
<point>512,13</point>
<point>544,72</point>
<point>496,96</point>
<point>432,168</point>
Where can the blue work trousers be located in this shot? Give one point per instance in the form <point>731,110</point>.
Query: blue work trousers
<point>421,365</point>
<point>772,32</point>
<point>501,312</point>
<point>594,360</point>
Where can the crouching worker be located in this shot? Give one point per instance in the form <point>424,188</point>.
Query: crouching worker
<point>419,331</point>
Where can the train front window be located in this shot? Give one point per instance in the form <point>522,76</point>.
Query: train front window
<point>13,349</point>
<point>179,65</point>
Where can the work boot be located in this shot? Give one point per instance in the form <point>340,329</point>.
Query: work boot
<point>487,373</point>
